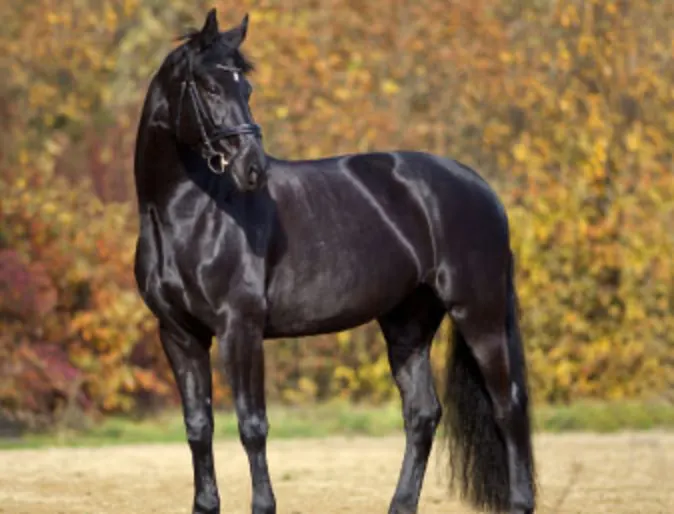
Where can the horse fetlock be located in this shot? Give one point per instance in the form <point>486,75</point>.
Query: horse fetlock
<point>206,502</point>
<point>264,504</point>
<point>522,508</point>
<point>253,430</point>
<point>425,420</point>
<point>522,505</point>
<point>403,504</point>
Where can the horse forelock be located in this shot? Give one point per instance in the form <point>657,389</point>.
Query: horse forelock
<point>188,50</point>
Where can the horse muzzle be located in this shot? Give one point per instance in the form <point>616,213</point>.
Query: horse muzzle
<point>249,167</point>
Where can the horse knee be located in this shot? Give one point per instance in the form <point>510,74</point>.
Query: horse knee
<point>253,430</point>
<point>199,429</point>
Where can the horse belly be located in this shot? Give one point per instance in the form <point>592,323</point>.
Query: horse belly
<point>339,291</point>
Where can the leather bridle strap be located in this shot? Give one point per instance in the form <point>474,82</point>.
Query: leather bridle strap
<point>221,132</point>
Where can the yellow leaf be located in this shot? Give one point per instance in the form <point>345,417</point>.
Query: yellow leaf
<point>389,87</point>
<point>343,338</point>
<point>520,152</point>
<point>282,112</point>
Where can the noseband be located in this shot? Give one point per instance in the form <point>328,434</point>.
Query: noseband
<point>220,132</point>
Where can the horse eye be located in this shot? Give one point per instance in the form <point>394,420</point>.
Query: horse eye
<point>212,87</point>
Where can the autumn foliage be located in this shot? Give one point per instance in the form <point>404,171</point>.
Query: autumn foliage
<point>566,107</point>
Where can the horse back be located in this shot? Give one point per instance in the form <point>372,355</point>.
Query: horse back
<point>355,234</point>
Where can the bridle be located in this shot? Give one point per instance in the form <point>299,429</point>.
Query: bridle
<point>221,131</point>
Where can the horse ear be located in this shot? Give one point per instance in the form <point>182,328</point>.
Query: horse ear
<point>210,30</point>
<point>236,35</point>
<point>243,27</point>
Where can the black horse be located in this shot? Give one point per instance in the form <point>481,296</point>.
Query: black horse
<point>240,246</point>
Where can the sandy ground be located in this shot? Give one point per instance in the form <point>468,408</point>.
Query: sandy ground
<point>626,473</point>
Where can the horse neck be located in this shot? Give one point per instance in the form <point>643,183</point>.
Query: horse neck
<point>157,165</point>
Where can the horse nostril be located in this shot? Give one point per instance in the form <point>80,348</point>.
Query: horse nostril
<point>253,176</point>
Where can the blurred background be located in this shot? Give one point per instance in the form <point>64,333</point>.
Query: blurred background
<point>566,107</point>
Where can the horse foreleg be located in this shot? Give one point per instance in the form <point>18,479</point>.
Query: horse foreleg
<point>189,359</point>
<point>242,350</point>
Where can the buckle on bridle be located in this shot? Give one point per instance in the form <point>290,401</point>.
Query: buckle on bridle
<point>217,162</point>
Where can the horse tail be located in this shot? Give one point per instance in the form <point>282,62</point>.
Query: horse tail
<point>478,453</point>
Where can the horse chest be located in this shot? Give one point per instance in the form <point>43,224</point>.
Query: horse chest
<point>193,275</point>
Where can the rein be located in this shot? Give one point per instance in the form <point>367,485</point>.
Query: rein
<point>221,131</point>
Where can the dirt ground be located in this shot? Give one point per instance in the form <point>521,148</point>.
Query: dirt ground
<point>626,473</point>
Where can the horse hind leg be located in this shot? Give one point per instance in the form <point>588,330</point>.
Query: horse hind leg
<point>487,402</point>
<point>409,329</point>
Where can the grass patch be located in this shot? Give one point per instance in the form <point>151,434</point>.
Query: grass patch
<point>334,418</point>
<point>339,418</point>
<point>604,417</point>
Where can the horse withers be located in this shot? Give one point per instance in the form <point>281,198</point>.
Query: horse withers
<point>240,246</point>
